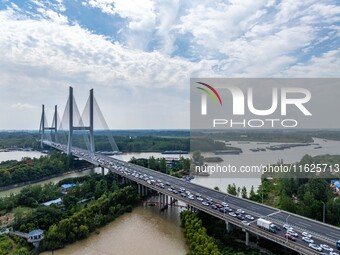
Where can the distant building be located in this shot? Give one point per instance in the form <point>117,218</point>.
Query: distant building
<point>35,236</point>
<point>57,201</point>
<point>66,187</point>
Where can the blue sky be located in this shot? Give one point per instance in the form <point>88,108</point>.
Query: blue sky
<point>139,55</point>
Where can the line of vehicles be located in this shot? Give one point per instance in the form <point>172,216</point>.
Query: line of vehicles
<point>292,235</point>
<point>223,207</point>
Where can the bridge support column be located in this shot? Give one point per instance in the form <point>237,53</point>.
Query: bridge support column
<point>143,190</point>
<point>229,226</point>
<point>139,189</point>
<point>159,199</point>
<point>247,238</point>
<point>103,171</point>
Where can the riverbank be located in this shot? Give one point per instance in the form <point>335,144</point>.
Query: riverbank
<point>22,184</point>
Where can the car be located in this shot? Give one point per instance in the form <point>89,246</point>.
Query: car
<point>326,247</point>
<point>170,189</point>
<point>174,191</point>
<point>240,217</point>
<point>315,247</point>
<point>227,209</point>
<point>205,203</point>
<point>222,210</point>
<point>167,184</point>
<point>200,199</point>
<point>240,211</point>
<point>307,239</point>
<point>191,197</point>
<point>218,205</point>
<point>198,194</point>
<point>214,207</point>
<point>249,217</point>
<point>232,214</point>
<point>293,233</point>
<point>287,227</point>
<point>183,195</point>
<point>306,234</point>
<point>244,222</point>
<point>333,253</point>
<point>290,237</point>
<point>224,204</point>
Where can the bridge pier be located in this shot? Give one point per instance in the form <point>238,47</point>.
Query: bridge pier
<point>229,226</point>
<point>247,238</point>
<point>139,190</point>
<point>103,170</point>
<point>143,191</point>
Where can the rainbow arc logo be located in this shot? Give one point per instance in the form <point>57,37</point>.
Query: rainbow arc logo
<point>212,93</point>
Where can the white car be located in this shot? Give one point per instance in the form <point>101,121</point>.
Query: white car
<point>232,214</point>
<point>315,247</point>
<point>244,222</point>
<point>306,234</point>
<point>200,199</point>
<point>249,217</point>
<point>326,247</point>
<point>224,204</point>
<point>333,253</point>
<point>240,211</point>
<point>292,233</point>
<point>288,227</point>
<point>307,239</point>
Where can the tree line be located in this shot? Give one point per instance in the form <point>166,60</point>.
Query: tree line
<point>32,169</point>
<point>196,235</point>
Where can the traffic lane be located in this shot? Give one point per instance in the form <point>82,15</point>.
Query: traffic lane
<point>215,195</point>
<point>309,226</point>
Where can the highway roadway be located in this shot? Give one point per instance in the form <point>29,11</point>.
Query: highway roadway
<point>322,233</point>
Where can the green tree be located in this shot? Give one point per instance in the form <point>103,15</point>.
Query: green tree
<point>244,192</point>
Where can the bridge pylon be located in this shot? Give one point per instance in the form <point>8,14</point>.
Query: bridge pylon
<point>43,127</point>
<point>72,127</point>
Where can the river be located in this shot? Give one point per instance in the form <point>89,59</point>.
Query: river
<point>144,231</point>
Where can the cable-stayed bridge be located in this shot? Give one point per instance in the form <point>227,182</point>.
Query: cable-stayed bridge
<point>173,188</point>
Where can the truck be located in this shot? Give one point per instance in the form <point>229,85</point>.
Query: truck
<point>338,244</point>
<point>267,225</point>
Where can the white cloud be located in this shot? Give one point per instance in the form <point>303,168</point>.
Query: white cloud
<point>327,65</point>
<point>23,106</point>
<point>59,51</point>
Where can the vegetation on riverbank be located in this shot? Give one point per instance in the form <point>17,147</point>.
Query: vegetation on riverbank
<point>32,169</point>
<point>207,235</point>
<point>198,240</point>
<point>176,168</point>
<point>93,202</point>
<point>303,196</point>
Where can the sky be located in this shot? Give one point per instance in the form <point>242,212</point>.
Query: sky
<point>139,55</point>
